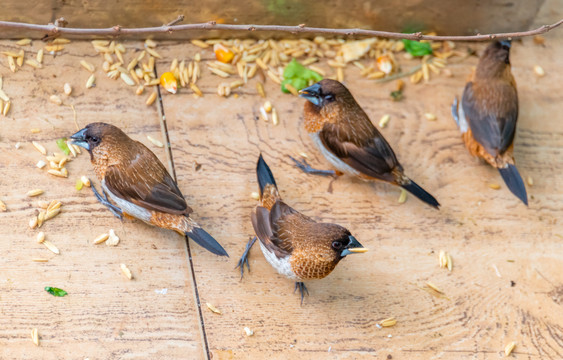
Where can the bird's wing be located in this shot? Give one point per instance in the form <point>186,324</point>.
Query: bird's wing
<point>271,227</point>
<point>145,182</point>
<point>492,116</point>
<point>368,153</point>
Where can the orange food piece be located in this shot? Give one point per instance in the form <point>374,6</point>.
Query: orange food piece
<point>169,82</point>
<point>223,54</point>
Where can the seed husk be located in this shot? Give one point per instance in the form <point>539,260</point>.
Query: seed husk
<point>151,99</point>
<point>434,287</point>
<point>85,180</point>
<point>530,181</point>
<point>155,141</point>
<point>403,196</point>
<point>384,120</point>
<point>51,247</point>
<point>113,239</point>
<point>35,336</point>
<point>388,322</point>
<point>509,348</point>
<point>39,147</point>
<point>41,237</point>
<point>264,114</point>
<point>91,81</point>
<point>100,239</point>
<point>539,71</point>
<point>213,308</point>
<point>125,270</point>
<point>275,119</point>
<point>248,331</point>
<point>33,222</point>
<point>255,195</point>
<point>34,192</point>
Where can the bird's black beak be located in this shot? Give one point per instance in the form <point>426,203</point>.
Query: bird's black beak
<point>80,139</point>
<point>354,247</point>
<point>312,93</point>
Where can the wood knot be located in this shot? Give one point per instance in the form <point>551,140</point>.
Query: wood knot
<point>212,23</point>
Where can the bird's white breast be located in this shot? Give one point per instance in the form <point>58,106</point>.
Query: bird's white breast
<point>127,206</point>
<point>332,158</point>
<point>283,266</point>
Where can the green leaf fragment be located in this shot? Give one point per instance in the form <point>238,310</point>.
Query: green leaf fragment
<point>55,291</point>
<point>397,95</point>
<point>61,143</point>
<point>417,48</point>
<point>298,76</point>
<point>79,184</point>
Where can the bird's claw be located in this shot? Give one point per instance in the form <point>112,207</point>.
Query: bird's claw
<point>244,258</point>
<point>116,211</point>
<point>306,168</point>
<point>302,289</point>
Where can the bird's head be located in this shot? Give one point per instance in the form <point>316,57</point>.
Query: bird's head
<point>495,60</point>
<point>326,93</point>
<point>96,135</point>
<point>337,241</point>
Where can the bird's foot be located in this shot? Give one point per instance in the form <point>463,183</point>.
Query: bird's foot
<point>105,201</point>
<point>244,258</point>
<point>302,289</point>
<point>306,168</point>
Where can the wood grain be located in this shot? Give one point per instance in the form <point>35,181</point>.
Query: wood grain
<point>106,316</point>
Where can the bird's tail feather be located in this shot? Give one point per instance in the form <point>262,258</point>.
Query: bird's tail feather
<point>264,174</point>
<point>420,193</point>
<point>514,182</point>
<point>202,238</point>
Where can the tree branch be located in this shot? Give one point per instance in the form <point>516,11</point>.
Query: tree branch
<point>300,29</point>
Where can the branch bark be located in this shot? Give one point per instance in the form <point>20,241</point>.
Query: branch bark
<point>117,31</point>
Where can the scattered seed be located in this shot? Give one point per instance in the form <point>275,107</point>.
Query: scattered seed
<point>6,108</point>
<point>530,181</point>
<point>85,180</point>
<point>58,173</point>
<point>35,336</point>
<point>200,44</point>
<point>67,89</point>
<point>388,322</point>
<point>291,89</point>
<point>155,141</point>
<point>509,348</point>
<point>213,308</point>
<point>33,222</point>
<point>51,214</point>
<point>384,120</point>
<point>86,65</point>
<point>12,64</point>
<point>196,89</point>
<point>34,64</point>
<point>264,114</point>
<point>39,147</point>
<point>125,270</point>
<point>151,99</point>
<point>403,196</point>
<point>260,88</point>
<point>51,247</point>
<point>127,79</point>
<point>61,41</point>
<point>55,100</point>
<point>100,239</point>
<point>450,262</point>
<point>140,90</point>
<point>23,42</point>
<point>39,260</point>
<point>34,192</point>
<point>248,331</point>
<point>539,71</point>
<point>113,239</point>
<point>255,195</point>
<point>150,43</point>
<point>153,52</point>
<point>40,218</point>
<point>430,117</point>
<point>91,81</point>
<point>268,106</point>
<point>3,96</point>
<point>41,237</point>
<point>2,206</point>
<point>494,186</point>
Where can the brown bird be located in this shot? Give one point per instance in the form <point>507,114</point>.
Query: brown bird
<point>488,114</point>
<point>138,183</point>
<point>296,246</point>
<point>348,140</point>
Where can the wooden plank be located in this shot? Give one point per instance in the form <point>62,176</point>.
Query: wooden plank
<point>480,227</point>
<point>105,316</point>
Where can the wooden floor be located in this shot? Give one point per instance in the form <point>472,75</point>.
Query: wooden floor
<point>506,284</point>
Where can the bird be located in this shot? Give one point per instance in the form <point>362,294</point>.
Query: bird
<point>346,137</point>
<point>297,246</point>
<point>138,183</point>
<point>488,114</point>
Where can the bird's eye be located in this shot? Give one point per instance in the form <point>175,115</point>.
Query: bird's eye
<point>329,98</point>
<point>95,139</point>
<point>337,245</point>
